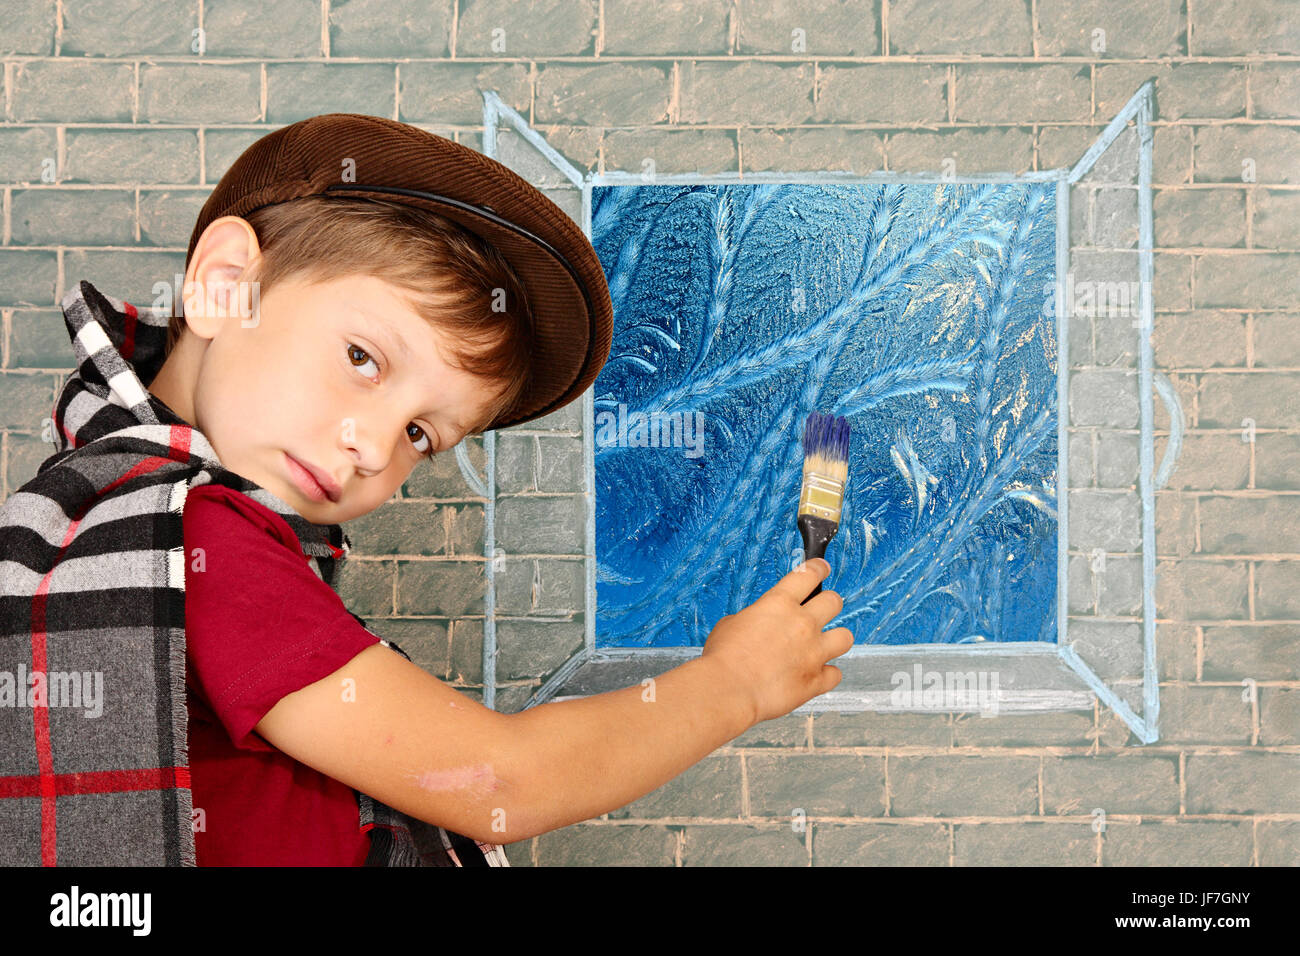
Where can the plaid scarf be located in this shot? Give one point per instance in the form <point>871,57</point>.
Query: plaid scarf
<point>92,618</point>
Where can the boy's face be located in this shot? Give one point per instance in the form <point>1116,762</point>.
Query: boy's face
<point>321,376</point>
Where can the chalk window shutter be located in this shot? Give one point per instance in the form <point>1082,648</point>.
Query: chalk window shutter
<point>1111,426</point>
<point>537,508</point>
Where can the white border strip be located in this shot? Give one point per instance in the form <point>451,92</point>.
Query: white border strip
<point>491,104</point>
<point>1146,460</point>
<point>1062,412</point>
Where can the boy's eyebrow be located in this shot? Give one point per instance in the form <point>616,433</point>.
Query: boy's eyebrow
<point>384,325</point>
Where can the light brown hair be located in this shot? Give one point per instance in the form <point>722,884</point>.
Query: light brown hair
<point>455,278</point>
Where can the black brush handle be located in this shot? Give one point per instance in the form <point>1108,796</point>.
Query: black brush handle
<point>817,534</point>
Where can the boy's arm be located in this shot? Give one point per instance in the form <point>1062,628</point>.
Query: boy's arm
<point>407,739</point>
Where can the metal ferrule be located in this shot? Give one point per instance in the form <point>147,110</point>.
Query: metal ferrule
<point>821,496</point>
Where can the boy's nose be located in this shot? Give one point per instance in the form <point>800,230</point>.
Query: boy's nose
<point>367,451</point>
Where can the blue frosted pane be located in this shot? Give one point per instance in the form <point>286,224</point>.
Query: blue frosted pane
<point>921,312</point>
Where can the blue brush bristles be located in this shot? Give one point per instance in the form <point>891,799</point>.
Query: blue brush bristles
<point>826,435</point>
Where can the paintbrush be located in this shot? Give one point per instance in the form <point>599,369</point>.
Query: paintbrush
<point>825,472</point>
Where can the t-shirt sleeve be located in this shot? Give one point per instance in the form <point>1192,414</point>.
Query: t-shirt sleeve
<point>259,623</point>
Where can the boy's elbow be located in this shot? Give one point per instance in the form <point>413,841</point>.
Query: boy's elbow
<point>503,792</point>
<point>513,809</point>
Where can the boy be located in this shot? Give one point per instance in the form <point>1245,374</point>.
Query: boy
<point>349,281</point>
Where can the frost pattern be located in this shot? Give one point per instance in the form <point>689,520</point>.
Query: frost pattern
<point>920,311</point>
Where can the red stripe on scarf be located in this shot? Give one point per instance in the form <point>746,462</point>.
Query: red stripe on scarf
<point>41,715</point>
<point>48,786</point>
<point>180,447</point>
<point>180,443</point>
<point>128,330</point>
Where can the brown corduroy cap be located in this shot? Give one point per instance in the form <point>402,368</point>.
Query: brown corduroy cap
<point>395,162</point>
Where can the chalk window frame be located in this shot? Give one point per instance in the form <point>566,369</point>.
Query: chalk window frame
<point>1098,654</point>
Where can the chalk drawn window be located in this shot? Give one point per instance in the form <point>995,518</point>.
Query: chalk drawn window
<point>989,338</point>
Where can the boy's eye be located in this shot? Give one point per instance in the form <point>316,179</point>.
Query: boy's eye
<point>357,349</point>
<point>423,437</point>
<point>353,349</point>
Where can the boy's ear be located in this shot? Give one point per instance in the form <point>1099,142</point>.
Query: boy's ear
<point>213,291</point>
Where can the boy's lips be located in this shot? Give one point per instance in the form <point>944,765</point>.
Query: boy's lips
<point>313,482</point>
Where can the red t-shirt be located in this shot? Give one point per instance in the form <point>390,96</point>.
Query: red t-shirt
<point>260,625</point>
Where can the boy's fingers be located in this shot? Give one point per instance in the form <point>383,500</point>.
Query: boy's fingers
<point>837,641</point>
<point>826,606</point>
<point>799,583</point>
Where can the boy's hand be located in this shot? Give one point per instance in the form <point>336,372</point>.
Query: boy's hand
<point>776,649</point>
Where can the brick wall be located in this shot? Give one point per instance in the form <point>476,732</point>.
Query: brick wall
<point>135,134</point>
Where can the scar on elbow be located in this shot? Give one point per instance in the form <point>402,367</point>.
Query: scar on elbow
<point>457,778</point>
